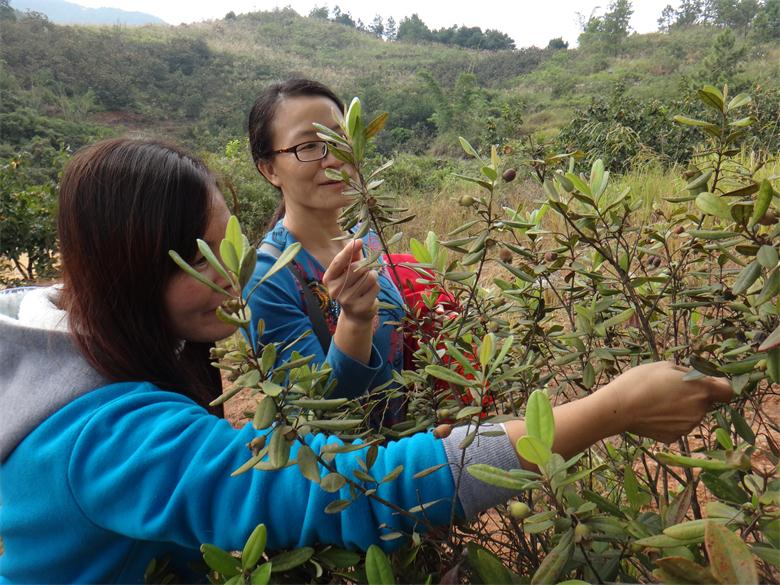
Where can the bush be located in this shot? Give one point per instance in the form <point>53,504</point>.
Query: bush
<point>591,280</point>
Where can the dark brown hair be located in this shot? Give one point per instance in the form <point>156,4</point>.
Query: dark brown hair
<point>123,204</point>
<point>263,112</point>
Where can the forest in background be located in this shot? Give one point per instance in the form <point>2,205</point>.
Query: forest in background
<point>611,97</point>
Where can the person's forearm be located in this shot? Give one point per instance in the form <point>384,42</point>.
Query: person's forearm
<point>354,338</point>
<point>581,423</point>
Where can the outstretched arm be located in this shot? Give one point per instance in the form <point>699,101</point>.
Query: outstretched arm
<point>651,400</point>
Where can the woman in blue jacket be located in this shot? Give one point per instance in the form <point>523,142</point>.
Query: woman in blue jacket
<point>110,456</point>
<point>357,340</point>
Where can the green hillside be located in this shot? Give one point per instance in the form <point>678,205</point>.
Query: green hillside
<point>195,83</point>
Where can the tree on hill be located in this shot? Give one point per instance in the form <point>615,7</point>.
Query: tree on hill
<point>607,32</point>
<point>377,27</point>
<point>413,30</point>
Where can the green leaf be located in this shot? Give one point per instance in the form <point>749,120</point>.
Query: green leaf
<point>486,350</point>
<point>265,413</point>
<point>539,420</point>
<point>552,565</point>
<point>254,547</point>
<point>284,259</point>
<point>468,148</point>
<point>337,506</point>
<point>730,558</point>
<point>392,475</point>
<point>378,568</point>
<point>229,255</point>
<point>767,256</point>
<point>772,341</point>
<point>693,122</point>
<point>338,558</point>
<point>515,479</point>
<point>712,234</point>
<point>533,450</point>
<point>181,263</point>
<point>342,424</point>
<point>420,252</point>
<point>307,463</point>
<point>488,567</point>
<point>332,482</point>
<point>291,559</point>
<point>262,574</point>
<point>763,200</point>
<point>773,364</point>
<point>713,204</point>
<point>685,461</point>
<point>279,449</point>
<point>376,125</point>
<point>683,570</point>
<point>712,97</point>
<point>268,359</point>
<point>220,561</point>
<point>447,375</point>
<point>738,101</point>
<point>746,278</point>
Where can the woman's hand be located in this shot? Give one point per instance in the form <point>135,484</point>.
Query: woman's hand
<point>651,400</point>
<point>657,403</point>
<point>355,289</point>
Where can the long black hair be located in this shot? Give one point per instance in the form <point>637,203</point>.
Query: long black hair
<point>123,204</point>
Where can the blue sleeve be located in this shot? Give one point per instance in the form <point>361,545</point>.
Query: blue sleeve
<point>278,303</point>
<point>153,465</point>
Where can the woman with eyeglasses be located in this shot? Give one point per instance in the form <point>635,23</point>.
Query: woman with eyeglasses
<point>351,334</point>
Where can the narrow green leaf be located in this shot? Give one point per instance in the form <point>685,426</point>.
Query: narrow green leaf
<point>291,559</point>
<point>746,278</point>
<point>337,506</point>
<point>552,565</point>
<point>539,420</point>
<point>517,480</point>
<point>284,259</point>
<point>181,263</point>
<point>307,463</point>
<point>262,574</point>
<point>279,449</point>
<point>763,200</point>
<point>488,567</point>
<point>486,350</point>
<point>685,461</point>
<point>468,148</point>
<point>447,375</point>
<point>685,571</point>
<point>254,547</point>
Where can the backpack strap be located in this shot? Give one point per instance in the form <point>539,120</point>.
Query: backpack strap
<point>313,308</point>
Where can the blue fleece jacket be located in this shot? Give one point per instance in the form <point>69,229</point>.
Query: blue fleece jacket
<point>129,472</point>
<point>279,303</point>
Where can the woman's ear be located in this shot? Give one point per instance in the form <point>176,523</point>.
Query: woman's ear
<point>266,169</point>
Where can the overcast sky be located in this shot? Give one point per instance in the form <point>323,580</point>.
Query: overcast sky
<point>528,22</point>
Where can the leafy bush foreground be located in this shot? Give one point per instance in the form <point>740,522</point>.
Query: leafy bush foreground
<point>591,282</point>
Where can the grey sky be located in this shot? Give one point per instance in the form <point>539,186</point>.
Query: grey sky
<point>528,22</point>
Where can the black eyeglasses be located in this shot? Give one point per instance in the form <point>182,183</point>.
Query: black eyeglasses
<point>306,151</point>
